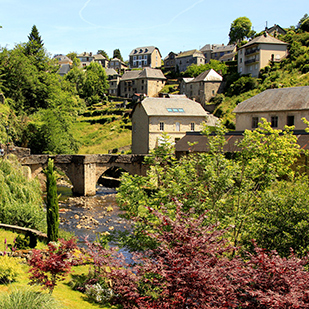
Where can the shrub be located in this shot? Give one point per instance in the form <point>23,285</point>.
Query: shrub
<point>27,299</point>
<point>10,268</point>
<point>20,198</point>
<point>48,267</point>
<point>99,294</point>
<point>194,267</point>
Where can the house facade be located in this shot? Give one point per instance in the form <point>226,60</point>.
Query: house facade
<point>184,59</point>
<point>147,81</point>
<point>257,54</point>
<point>87,58</point>
<point>100,59</point>
<point>117,65</point>
<point>204,87</point>
<point>173,116</point>
<point>170,61</point>
<point>280,107</point>
<point>147,56</point>
<point>113,79</point>
<point>219,52</point>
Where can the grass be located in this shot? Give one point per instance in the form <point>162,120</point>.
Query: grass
<point>63,293</point>
<point>99,138</point>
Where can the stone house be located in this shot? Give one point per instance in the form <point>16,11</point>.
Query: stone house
<point>203,87</point>
<point>117,65</point>
<point>219,52</point>
<point>147,81</point>
<point>173,116</point>
<point>280,107</point>
<point>87,58</point>
<point>184,59</point>
<point>147,56</point>
<point>113,79</point>
<point>275,30</point>
<point>100,59</point>
<point>170,61</point>
<point>257,54</point>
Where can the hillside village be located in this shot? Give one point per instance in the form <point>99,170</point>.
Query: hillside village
<point>147,74</point>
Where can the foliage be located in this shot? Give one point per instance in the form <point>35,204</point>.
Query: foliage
<point>10,269</point>
<point>51,132</point>
<point>240,29</point>
<point>103,53</point>
<point>192,267</point>
<point>20,198</point>
<point>194,70</point>
<point>26,298</point>
<point>230,189</point>
<point>98,294</point>
<point>49,267</point>
<point>281,219</point>
<point>52,207</point>
<point>117,54</point>
<point>241,85</point>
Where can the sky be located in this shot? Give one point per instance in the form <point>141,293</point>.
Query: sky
<point>171,25</point>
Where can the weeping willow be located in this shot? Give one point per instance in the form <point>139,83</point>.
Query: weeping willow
<point>20,199</point>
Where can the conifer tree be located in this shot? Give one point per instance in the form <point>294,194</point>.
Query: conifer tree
<point>52,207</point>
<point>35,43</point>
<point>117,54</point>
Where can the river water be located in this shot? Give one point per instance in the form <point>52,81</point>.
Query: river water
<point>90,216</point>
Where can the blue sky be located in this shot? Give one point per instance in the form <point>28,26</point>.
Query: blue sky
<point>89,25</point>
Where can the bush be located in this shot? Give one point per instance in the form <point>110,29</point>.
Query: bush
<point>20,199</point>
<point>10,268</point>
<point>99,294</point>
<point>28,299</point>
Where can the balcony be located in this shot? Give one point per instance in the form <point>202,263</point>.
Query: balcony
<point>251,61</point>
<point>252,51</point>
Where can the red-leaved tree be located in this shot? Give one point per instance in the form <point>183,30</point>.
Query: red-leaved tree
<point>47,267</point>
<point>192,267</point>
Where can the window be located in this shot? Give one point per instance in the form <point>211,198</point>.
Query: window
<point>177,126</point>
<point>255,121</point>
<point>192,126</point>
<point>290,121</point>
<point>161,126</point>
<point>274,121</point>
<point>240,60</point>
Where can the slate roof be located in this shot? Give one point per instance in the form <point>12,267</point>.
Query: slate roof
<point>147,72</point>
<point>64,69</point>
<point>110,71</point>
<point>224,48</point>
<point>264,39</point>
<point>159,106</point>
<point>145,50</point>
<point>189,53</point>
<point>282,99</point>
<point>209,75</point>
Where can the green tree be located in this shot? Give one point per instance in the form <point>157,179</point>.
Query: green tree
<point>240,29</point>
<point>194,70</point>
<point>229,190</point>
<point>52,207</point>
<point>103,53</point>
<point>117,54</point>
<point>95,85</point>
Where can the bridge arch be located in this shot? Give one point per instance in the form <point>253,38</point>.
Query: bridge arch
<point>85,170</point>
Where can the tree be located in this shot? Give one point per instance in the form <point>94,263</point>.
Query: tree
<point>50,266</point>
<point>240,29</point>
<point>103,53</point>
<point>52,207</point>
<point>305,25</point>
<point>302,20</point>
<point>117,54</point>
<point>95,85</point>
<point>194,70</point>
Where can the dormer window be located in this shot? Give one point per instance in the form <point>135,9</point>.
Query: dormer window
<point>140,50</point>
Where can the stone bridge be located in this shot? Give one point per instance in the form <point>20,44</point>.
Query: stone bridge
<point>85,170</point>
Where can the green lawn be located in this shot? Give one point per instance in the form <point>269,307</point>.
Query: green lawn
<point>63,293</point>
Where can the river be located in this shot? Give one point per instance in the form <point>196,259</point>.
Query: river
<point>88,216</point>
